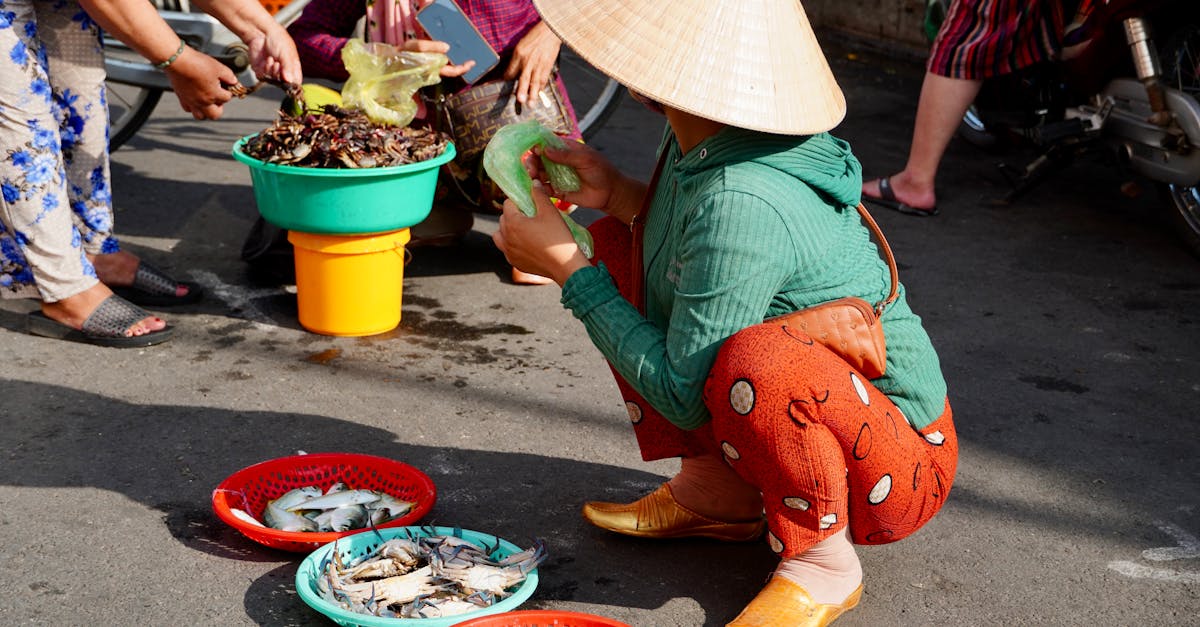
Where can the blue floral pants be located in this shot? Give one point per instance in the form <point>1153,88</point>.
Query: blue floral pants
<point>54,170</point>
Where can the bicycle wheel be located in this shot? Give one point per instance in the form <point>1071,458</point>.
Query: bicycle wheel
<point>129,106</point>
<point>594,95</point>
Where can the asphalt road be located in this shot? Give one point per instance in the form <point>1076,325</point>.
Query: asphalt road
<point>1066,323</point>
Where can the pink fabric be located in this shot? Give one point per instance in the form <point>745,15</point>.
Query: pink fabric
<point>394,21</point>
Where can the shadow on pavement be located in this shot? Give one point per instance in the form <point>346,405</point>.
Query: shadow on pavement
<point>170,458</point>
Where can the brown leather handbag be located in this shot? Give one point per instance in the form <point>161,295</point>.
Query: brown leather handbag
<point>474,115</point>
<point>850,326</point>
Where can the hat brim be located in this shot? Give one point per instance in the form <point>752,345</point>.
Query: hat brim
<point>754,64</point>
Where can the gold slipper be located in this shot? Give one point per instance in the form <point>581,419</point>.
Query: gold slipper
<point>785,602</point>
<point>659,515</point>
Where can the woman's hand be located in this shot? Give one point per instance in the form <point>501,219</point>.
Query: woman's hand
<point>273,56</point>
<point>541,244</point>
<point>602,186</point>
<point>200,83</point>
<point>429,45</point>
<point>532,61</point>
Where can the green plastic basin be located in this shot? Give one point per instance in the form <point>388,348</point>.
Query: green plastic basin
<point>343,201</point>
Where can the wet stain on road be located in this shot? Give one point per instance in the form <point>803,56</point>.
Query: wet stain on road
<point>230,334</point>
<point>1053,384</point>
<point>229,341</point>
<point>324,357</point>
<point>447,328</point>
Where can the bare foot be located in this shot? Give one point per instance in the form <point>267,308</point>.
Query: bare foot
<point>709,487</point>
<point>74,310</point>
<point>118,270</point>
<point>906,189</point>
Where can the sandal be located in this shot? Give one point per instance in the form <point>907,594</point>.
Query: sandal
<point>153,288</point>
<point>888,199</point>
<point>106,326</point>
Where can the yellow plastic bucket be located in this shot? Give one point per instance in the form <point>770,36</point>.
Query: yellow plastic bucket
<point>349,285</point>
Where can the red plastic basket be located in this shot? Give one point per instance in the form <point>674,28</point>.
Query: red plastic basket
<point>542,618</point>
<point>250,488</point>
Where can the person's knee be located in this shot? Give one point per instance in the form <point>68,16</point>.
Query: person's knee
<point>763,369</point>
<point>767,353</point>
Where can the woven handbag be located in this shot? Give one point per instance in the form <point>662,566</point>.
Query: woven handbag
<point>474,115</point>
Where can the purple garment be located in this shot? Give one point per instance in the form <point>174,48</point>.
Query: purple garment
<point>325,25</point>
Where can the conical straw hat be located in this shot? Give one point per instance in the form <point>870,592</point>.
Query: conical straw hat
<point>754,64</point>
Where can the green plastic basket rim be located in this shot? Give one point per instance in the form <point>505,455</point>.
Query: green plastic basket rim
<point>310,566</point>
<point>419,166</point>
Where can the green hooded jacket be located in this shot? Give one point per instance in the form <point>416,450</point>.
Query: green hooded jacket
<point>748,226</point>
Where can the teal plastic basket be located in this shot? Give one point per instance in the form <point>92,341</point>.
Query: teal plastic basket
<point>360,544</point>
<point>343,201</point>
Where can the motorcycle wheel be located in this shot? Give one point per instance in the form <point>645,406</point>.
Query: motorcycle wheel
<point>974,131</point>
<point>1180,57</point>
<point>1186,215</point>
<point>128,109</point>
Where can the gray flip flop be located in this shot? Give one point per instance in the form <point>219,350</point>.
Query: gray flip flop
<point>105,327</point>
<point>888,199</point>
<point>153,288</point>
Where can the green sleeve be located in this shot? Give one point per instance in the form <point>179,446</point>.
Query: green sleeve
<point>733,255</point>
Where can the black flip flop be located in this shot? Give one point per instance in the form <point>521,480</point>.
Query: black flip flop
<point>888,199</point>
<point>153,288</point>
<point>105,327</point>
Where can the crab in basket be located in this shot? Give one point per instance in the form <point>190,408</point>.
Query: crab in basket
<point>425,576</point>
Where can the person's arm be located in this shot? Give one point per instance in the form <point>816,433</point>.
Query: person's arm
<point>197,79</point>
<point>272,51</point>
<point>321,32</point>
<point>136,24</point>
<point>733,257</point>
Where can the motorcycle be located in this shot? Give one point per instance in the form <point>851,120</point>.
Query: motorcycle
<point>1128,82</point>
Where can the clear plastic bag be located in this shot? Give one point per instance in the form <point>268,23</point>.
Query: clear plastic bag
<point>383,79</point>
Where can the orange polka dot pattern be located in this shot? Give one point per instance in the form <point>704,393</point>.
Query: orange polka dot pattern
<point>826,448</point>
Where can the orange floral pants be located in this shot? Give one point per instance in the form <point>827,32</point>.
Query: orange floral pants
<point>824,446</point>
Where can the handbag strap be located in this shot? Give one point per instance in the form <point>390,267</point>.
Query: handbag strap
<point>887,255</point>
<point>637,226</point>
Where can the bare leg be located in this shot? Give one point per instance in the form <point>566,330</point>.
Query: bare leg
<point>708,486</point>
<point>941,106</point>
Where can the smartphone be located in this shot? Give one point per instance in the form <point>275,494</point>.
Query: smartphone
<point>445,21</point>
